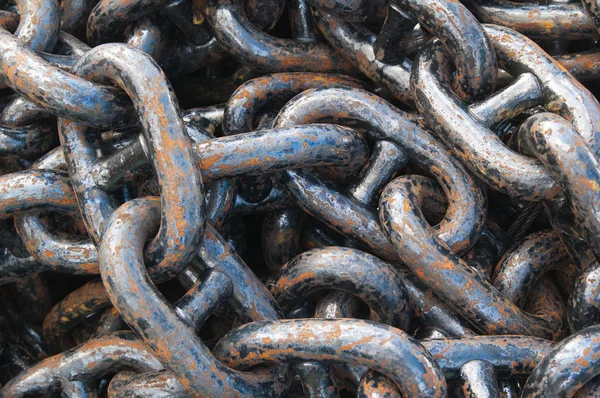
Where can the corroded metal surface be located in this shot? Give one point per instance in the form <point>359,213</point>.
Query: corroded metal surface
<point>322,198</point>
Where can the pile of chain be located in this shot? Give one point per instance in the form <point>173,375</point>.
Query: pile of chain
<point>323,198</point>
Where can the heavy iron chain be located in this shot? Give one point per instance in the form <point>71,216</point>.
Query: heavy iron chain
<point>360,198</point>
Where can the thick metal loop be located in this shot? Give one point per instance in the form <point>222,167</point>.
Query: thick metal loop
<point>280,149</point>
<point>231,27</point>
<point>253,96</point>
<point>349,270</point>
<point>523,265</point>
<point>567,368</point>
<point>584,304</point>
<point>36,190</point>
<point>425,255</point>
<point>150,36</point>
<point>182,189</point>
<point>150,315</point>
<point>72,255</point>
<point>355,341</point>
<point>464,217</point>
<point>386,281</point>
<point>510,355</point>
<point>250,97</point>
<point>61,253</point>
<point>562,94</point>
<point>353,271</point>
<point>108,17</point>
<point>556,20</point>
<point>61,93</point>
<point>475,144</point>
<point>258,152</point>
<point>355,43</point>
<point>85,362</point>
<point>464,38</point>
<point>574,166</point>
<point>70,311</point>
<point>39,24</point>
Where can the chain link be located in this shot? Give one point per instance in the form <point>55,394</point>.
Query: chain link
<point>359,198</point>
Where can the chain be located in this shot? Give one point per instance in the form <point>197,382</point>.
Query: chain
<point>323,198</point>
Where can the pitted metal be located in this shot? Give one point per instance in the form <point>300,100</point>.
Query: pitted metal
<point>322,198</point>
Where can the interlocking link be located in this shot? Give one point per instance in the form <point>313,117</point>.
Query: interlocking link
<point>322,198</point>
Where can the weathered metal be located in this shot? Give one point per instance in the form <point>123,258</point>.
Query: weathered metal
<point>371,198</point>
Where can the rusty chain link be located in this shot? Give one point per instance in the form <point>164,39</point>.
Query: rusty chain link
<point>323,198</point>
